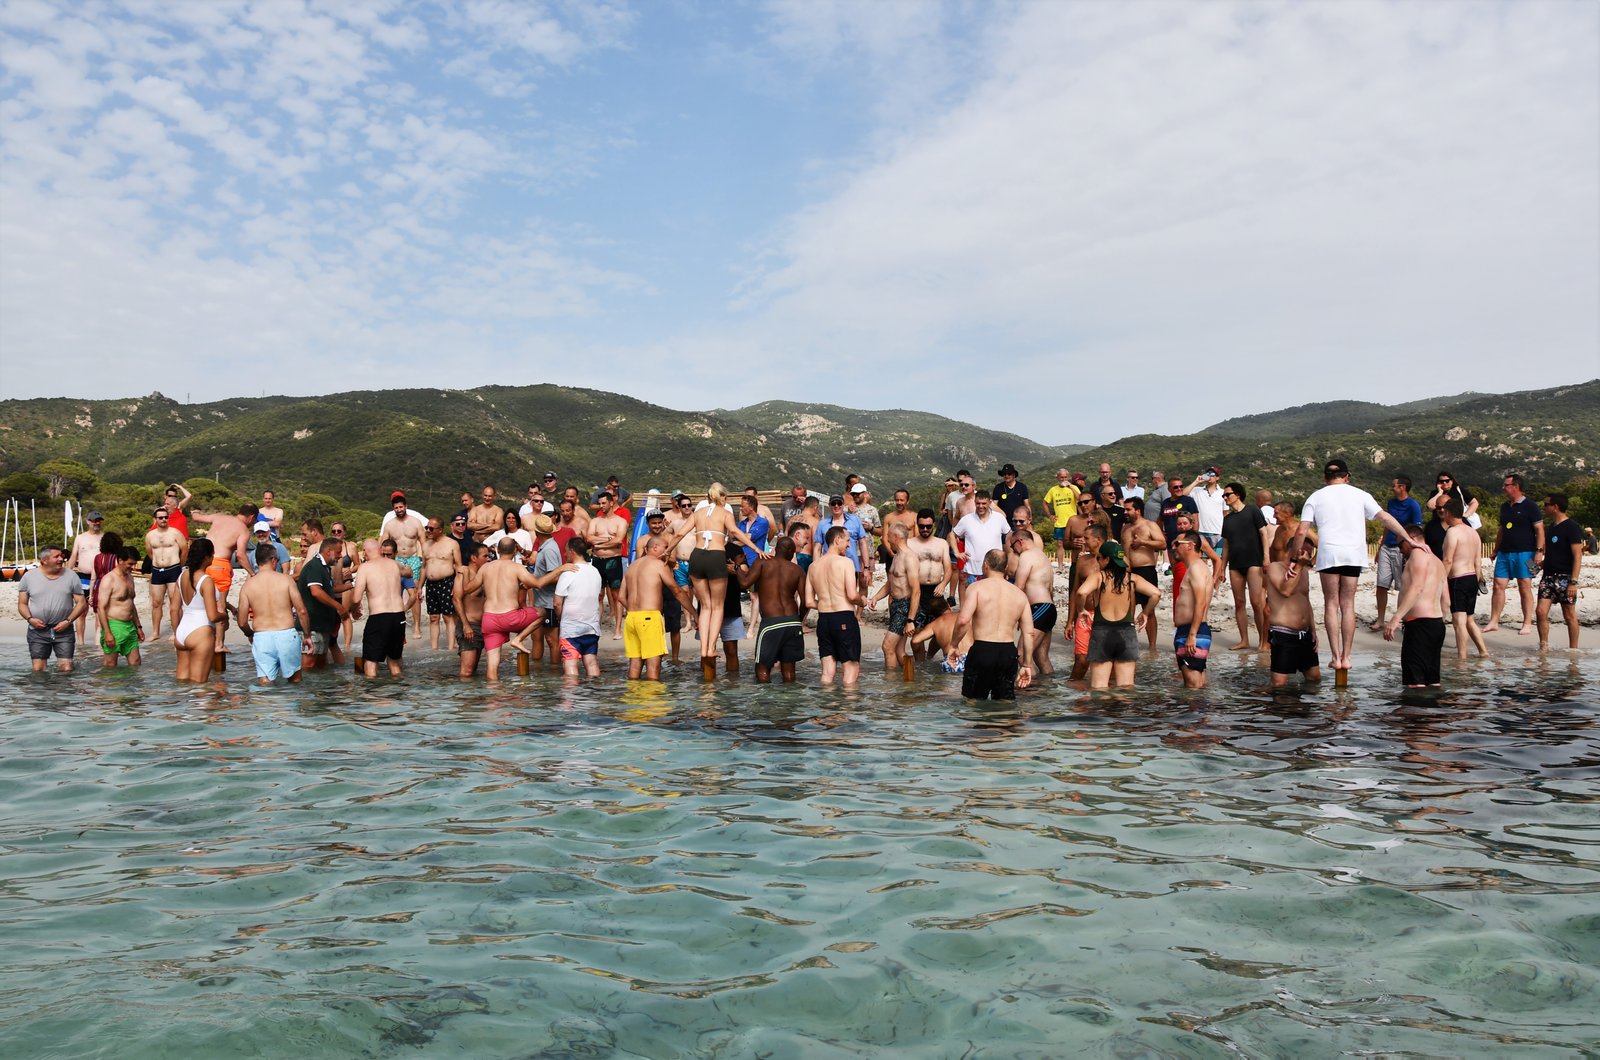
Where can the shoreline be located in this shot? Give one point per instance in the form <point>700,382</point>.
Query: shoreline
<point>1505,643</point>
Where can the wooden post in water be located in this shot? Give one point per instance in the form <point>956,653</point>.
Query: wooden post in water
<point>361,665</point>
<point>219,662</point>
<point>1341,678</point>
<point>708,668</point>
<point>522,664</point>
<point>908,668</point>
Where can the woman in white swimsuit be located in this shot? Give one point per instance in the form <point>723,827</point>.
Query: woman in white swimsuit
<point>194,609</point>
<point>711,527</point>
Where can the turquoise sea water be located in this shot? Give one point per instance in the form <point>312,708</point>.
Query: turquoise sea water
<point>424,868</point>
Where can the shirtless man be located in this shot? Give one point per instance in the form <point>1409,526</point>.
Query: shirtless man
<point>1288,525</point>
<point>646,584</point>
<point>1421,582</point>
<point>942,632</point>
<point>1143,542</point>
<point>1293,632</point>
<point>377,582</point>
<point>121,629</point>
<point>466,596</point>
<point>1035,576</point>
<point>230,535</point>
<point>1085,561</point>
<point>272,605</point>
<point>779,586</point>
<point>1089,514</point>
<point>994,611</point>
<point>580,515</point>
<point>406,530</point>
<point>932,559</point>
<point>167,550</point>
<point>1462,549</point>
<point>902,591</point>
<point>902,515</point>
<point>272,513</point>
<point>608,540</point>
<point>504,620</point>
<point>80,561</point>
<point>834,593</point>
<point>1192,640</point>
<point>441,560</point>
<point>485,517</point>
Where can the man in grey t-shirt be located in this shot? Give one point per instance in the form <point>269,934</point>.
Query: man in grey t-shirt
<point>50,600</point>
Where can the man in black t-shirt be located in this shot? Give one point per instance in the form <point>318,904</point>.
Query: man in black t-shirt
<point>1179,501</point>
<point>1562,561</point>
<point>325,612</point>
<point>1518,549</point>
<point>1009,494</point>
<point>1246,539</point>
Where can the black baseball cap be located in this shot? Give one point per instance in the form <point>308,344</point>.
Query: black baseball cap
<point>1335,466</point>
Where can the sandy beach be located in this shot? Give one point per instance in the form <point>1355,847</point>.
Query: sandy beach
<point>1505,642</point>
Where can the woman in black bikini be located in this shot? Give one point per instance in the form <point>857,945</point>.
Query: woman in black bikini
<point>1118,619</point>
<point>711,527</point>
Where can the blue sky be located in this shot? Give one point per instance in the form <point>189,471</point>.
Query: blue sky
<point>1010,213</point>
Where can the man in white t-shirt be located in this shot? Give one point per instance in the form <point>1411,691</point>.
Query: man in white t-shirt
<point>1206,492</point>
<point>1340,513</point>
<point>578,609</point>
<point>979,531</point>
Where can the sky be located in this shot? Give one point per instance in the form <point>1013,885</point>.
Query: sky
<point>1071,220</point>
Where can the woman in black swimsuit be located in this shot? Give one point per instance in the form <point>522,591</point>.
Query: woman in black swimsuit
<point>1118,619</point>
<point>711,527</point>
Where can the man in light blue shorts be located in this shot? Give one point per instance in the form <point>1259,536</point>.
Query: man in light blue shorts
<point>270,609</point>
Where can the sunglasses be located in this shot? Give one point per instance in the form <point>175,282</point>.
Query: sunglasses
<point>1019,522</point>
<point>161,515</point>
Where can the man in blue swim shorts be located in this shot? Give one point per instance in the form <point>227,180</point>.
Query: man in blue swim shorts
<point>1191,641</point>
<point>270,607</point>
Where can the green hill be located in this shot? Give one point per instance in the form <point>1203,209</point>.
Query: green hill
<point>360,445</point>
<point>1324,417</point>
<point>1549,436</point>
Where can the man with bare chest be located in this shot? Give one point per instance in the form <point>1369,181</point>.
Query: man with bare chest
<point>646,584</point>
<point>405,528</point>
<point>1034,574</point>
<point>485,517</point>
<point>272,605</point>
<point>467,600</point>
<point>503,619</point>
<point>608,539</point>
<point>379,584</point>
<point>230,535</point>
<point>441,559</point>
<point>995,611</point>
<point>930,558</point>
<point>1462,551</point>
<point>1143,542</point>
<point>779,588</point>
<point>167,549</point>
<point>1293,632</point>
<point>901,587</point>
<point>1421,588</point>
<point>833,591</point>
<point>121,629</point>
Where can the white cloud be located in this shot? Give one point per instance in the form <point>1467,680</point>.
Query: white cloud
<point>1362,188</point>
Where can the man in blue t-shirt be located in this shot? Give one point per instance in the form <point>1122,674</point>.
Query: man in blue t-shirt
<point>1518,548</point>
<point>1407,512</point>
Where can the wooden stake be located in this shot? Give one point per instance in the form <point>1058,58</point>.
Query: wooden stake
<point>1341,678</point>
<point>361,665</point>
<point>219,662</point>
<point>908,668</point>
<point>522,664</point>
<point>708,668</point>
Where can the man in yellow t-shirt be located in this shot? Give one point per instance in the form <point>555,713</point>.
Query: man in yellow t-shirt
<point>1061,502</point>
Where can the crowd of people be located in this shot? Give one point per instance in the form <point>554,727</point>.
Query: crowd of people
<point>970,584</point>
